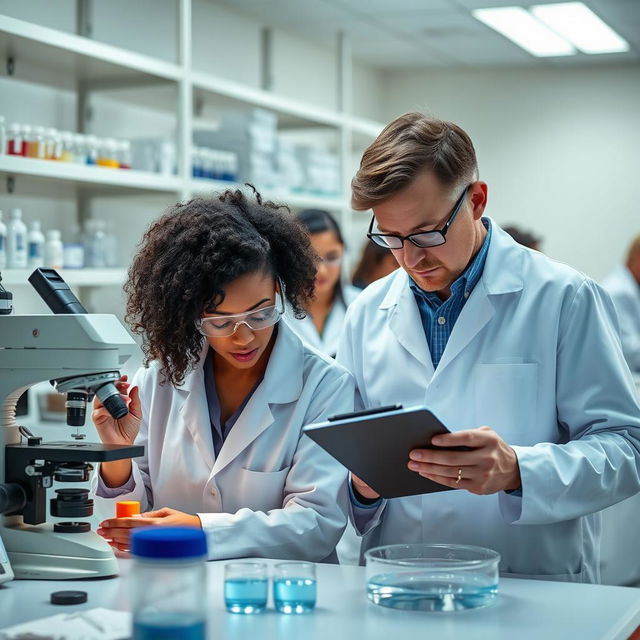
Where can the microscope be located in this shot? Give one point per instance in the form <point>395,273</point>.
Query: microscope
<point>80,354</point>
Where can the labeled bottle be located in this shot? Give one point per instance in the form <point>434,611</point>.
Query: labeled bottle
<point>35,246</point>
<point>16,241</point>
<point>111,250</point>
<point>39,148</point>
<point>124,157</point>
<point>3,243</point>
<point>96,246</point>
<point>54,250</point>
<point>3,136</point>
<point>169,580</point>
<point>14,147</point>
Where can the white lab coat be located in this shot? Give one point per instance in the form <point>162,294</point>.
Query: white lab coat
<point>625,293</point>
<point>332,331</point>
<point>536,356</point>
<point>272,492</point>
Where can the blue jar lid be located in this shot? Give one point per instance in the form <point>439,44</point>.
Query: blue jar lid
<point>168,542</point>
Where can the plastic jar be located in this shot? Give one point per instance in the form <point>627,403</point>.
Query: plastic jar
<point>169,583</point>
<point>3,137</point>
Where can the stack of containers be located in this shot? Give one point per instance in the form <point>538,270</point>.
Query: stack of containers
<point>291,175</point>
<point>322,170</point>
<point>252,135</point>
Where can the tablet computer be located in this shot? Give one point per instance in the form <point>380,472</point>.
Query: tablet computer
<point>374,444</point>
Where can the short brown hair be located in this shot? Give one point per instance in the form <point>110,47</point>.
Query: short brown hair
<point>410,144</point>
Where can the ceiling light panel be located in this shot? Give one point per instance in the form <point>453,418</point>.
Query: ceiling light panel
<point>575,22</point>
<point>526,31</point>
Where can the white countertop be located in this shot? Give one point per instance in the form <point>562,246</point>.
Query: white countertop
<point>525,609</point>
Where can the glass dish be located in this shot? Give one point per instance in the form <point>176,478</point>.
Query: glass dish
<point>432,577</point>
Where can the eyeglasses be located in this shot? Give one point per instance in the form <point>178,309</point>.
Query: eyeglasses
<point>423,239</point>
<point>224,326</point>
<point>330,261</point>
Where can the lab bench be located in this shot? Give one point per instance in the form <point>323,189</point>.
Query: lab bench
<point>525,609</point>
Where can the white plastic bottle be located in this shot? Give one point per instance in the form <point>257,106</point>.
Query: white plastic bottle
<point>3,137</point>
<point>3,243</point>
<point>16,241</point>
<point>96,245</point>
<point>36,246</point>
<point>54,250</point>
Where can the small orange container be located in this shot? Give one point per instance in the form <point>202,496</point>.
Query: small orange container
<point>126,508</point>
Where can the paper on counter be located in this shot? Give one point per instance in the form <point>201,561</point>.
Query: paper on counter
<point>90,624</point>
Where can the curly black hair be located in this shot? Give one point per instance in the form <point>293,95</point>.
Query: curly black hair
<point>188,256</point>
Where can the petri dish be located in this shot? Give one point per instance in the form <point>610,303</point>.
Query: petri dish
<point>432,577</point>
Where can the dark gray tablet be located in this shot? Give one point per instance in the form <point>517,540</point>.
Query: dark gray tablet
<point>374,444</point>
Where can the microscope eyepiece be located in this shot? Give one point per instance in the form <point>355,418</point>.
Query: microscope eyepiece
<point>55,292</point>
<point>115,405</point>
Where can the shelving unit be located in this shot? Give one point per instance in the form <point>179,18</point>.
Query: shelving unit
<point>59,59</point>
<point>73,277</point>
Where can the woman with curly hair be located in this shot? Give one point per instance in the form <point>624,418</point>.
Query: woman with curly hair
<point>227,388</point>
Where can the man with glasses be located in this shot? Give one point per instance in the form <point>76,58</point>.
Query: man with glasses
<point>517,355</point>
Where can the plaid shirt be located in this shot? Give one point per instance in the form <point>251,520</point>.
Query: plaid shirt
<point>439,316</point>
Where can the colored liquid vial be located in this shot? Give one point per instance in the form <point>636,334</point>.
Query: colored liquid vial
<point>246,595</point>
<point>294,595</point>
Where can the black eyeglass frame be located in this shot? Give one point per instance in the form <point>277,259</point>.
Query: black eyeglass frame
<point>378,238</point>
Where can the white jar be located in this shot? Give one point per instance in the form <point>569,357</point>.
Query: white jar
<point>16,241</point>
<point>3,243</point>
<point>36,246</point>
<point>3,137</point>
<point>54,250</point>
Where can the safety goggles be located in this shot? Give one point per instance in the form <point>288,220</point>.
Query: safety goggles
<point>224,326</point>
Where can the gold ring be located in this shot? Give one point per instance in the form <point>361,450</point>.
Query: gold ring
<point>459,476</point>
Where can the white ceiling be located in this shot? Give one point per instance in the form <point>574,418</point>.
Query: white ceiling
<point>395,34</point>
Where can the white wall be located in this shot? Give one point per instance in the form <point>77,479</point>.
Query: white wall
<point>558,148</point>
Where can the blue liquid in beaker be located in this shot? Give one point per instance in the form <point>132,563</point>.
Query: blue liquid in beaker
<point>168,626</point>
<point>294,595</point>
<point>246,595</point>
<point>437,592</point>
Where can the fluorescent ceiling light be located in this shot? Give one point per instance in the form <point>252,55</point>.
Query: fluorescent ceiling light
<point>575,22</point>
<point>522,28</point>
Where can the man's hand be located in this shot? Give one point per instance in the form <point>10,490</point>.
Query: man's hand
<point>116,531</point>
<point>363,490</point>
<point>491,466</point>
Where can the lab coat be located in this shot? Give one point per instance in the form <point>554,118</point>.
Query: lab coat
<point>272,492</point>
<point>332,330</point>
<point>535,355</point>
<point>625,293</point>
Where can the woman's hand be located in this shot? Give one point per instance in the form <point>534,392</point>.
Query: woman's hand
<point>116,531</point>
<point>124,430</point>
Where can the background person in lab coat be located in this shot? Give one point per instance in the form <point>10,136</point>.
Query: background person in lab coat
<point>517,354</point>
<point>221,407</point>
<point>624,287</point>
<point>322,325</point>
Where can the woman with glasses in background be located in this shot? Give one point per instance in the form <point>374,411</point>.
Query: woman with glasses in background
<point>322,326</point>
<point>221,405</point>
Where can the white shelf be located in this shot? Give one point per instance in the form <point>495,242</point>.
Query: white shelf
<point>83,58</point>
<point>364,127</point>
<point>258,97</point>
<point>295,200</point>
<point>88,175</point>
<point>73,277</point>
